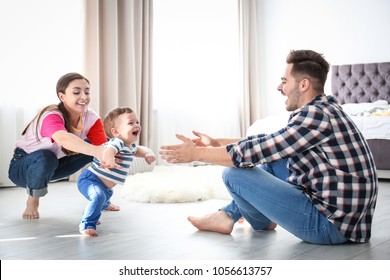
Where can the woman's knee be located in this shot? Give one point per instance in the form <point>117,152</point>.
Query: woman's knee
<point>46,159</point>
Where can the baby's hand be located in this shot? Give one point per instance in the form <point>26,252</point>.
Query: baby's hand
<point>149,158</point>
<point>108,166</point>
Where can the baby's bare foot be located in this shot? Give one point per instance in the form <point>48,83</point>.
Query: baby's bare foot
<point>217,222</point>
<point>31,211</point>
<point>89,231</point>
<point>113,207</point>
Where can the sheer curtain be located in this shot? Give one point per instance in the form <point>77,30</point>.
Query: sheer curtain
<point>196,70</point>
<point>252,96</point>
<point>41,41</point>
<point>118,57</point>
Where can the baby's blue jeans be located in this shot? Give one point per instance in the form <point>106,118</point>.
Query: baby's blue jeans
<point>98,195</point>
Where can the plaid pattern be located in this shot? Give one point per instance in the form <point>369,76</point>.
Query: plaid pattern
<point>328,159</point>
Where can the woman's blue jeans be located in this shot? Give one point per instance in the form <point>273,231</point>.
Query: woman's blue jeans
<point>98,195</point>
<point>262,195</point>
<point>35,170</point>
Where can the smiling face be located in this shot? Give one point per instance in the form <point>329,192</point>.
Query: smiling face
<point>127,128</point>
<point>290,88</point>
<point>76,97</point>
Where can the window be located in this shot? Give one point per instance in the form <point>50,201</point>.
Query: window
<point>195,68</point>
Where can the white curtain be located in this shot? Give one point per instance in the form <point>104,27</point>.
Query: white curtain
<point>118,57</point>
<point>196,75</point>
<point>253,95</point>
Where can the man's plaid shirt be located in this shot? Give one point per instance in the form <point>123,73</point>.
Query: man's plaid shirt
<point>329,160</point>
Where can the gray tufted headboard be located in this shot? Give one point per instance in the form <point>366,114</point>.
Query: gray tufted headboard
<point>357,83</point>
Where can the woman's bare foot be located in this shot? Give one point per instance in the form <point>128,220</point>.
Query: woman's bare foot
<point>31,211</point>
<point>89,232</point>
<point>217,222</point>
<point>113,207</point>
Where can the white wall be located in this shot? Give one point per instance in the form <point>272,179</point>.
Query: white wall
<point>345,31</point>
<point>40,41</point>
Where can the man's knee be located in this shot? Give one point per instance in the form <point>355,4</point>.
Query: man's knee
<point>227,173</point>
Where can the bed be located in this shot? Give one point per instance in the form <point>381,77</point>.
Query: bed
<point>363,90</point>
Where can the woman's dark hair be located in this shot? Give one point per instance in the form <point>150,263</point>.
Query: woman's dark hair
<point>62,84</point>
<point>309,63</point>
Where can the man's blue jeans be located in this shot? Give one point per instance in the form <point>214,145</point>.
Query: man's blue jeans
<point>262,195</point>
<point>35,170</point>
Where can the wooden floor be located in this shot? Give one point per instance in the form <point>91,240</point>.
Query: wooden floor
<point>142,231</point>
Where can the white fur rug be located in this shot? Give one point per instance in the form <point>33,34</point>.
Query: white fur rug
<point>175,183</point>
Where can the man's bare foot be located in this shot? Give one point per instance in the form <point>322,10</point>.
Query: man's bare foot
<point>217,222</point>
<point>89,232</point>
<point>113,207</point>
<point>31,211</point>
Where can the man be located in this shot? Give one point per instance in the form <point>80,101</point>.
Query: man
<point>315,177</point>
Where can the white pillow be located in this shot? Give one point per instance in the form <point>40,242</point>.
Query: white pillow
<point>139,165</point>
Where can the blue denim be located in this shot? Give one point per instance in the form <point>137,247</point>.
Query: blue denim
<point>262,195</point>
<point>35,170</point>
<point>93,189</point>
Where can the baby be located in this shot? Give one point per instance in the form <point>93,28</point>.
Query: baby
<point>95,183</point>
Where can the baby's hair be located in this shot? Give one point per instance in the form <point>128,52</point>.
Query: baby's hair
<point>110,118</point>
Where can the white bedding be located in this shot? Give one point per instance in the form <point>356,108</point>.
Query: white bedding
<point>373,127</point>
<point>372,119</point>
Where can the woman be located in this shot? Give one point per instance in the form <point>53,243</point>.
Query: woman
<point>52,145</point>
